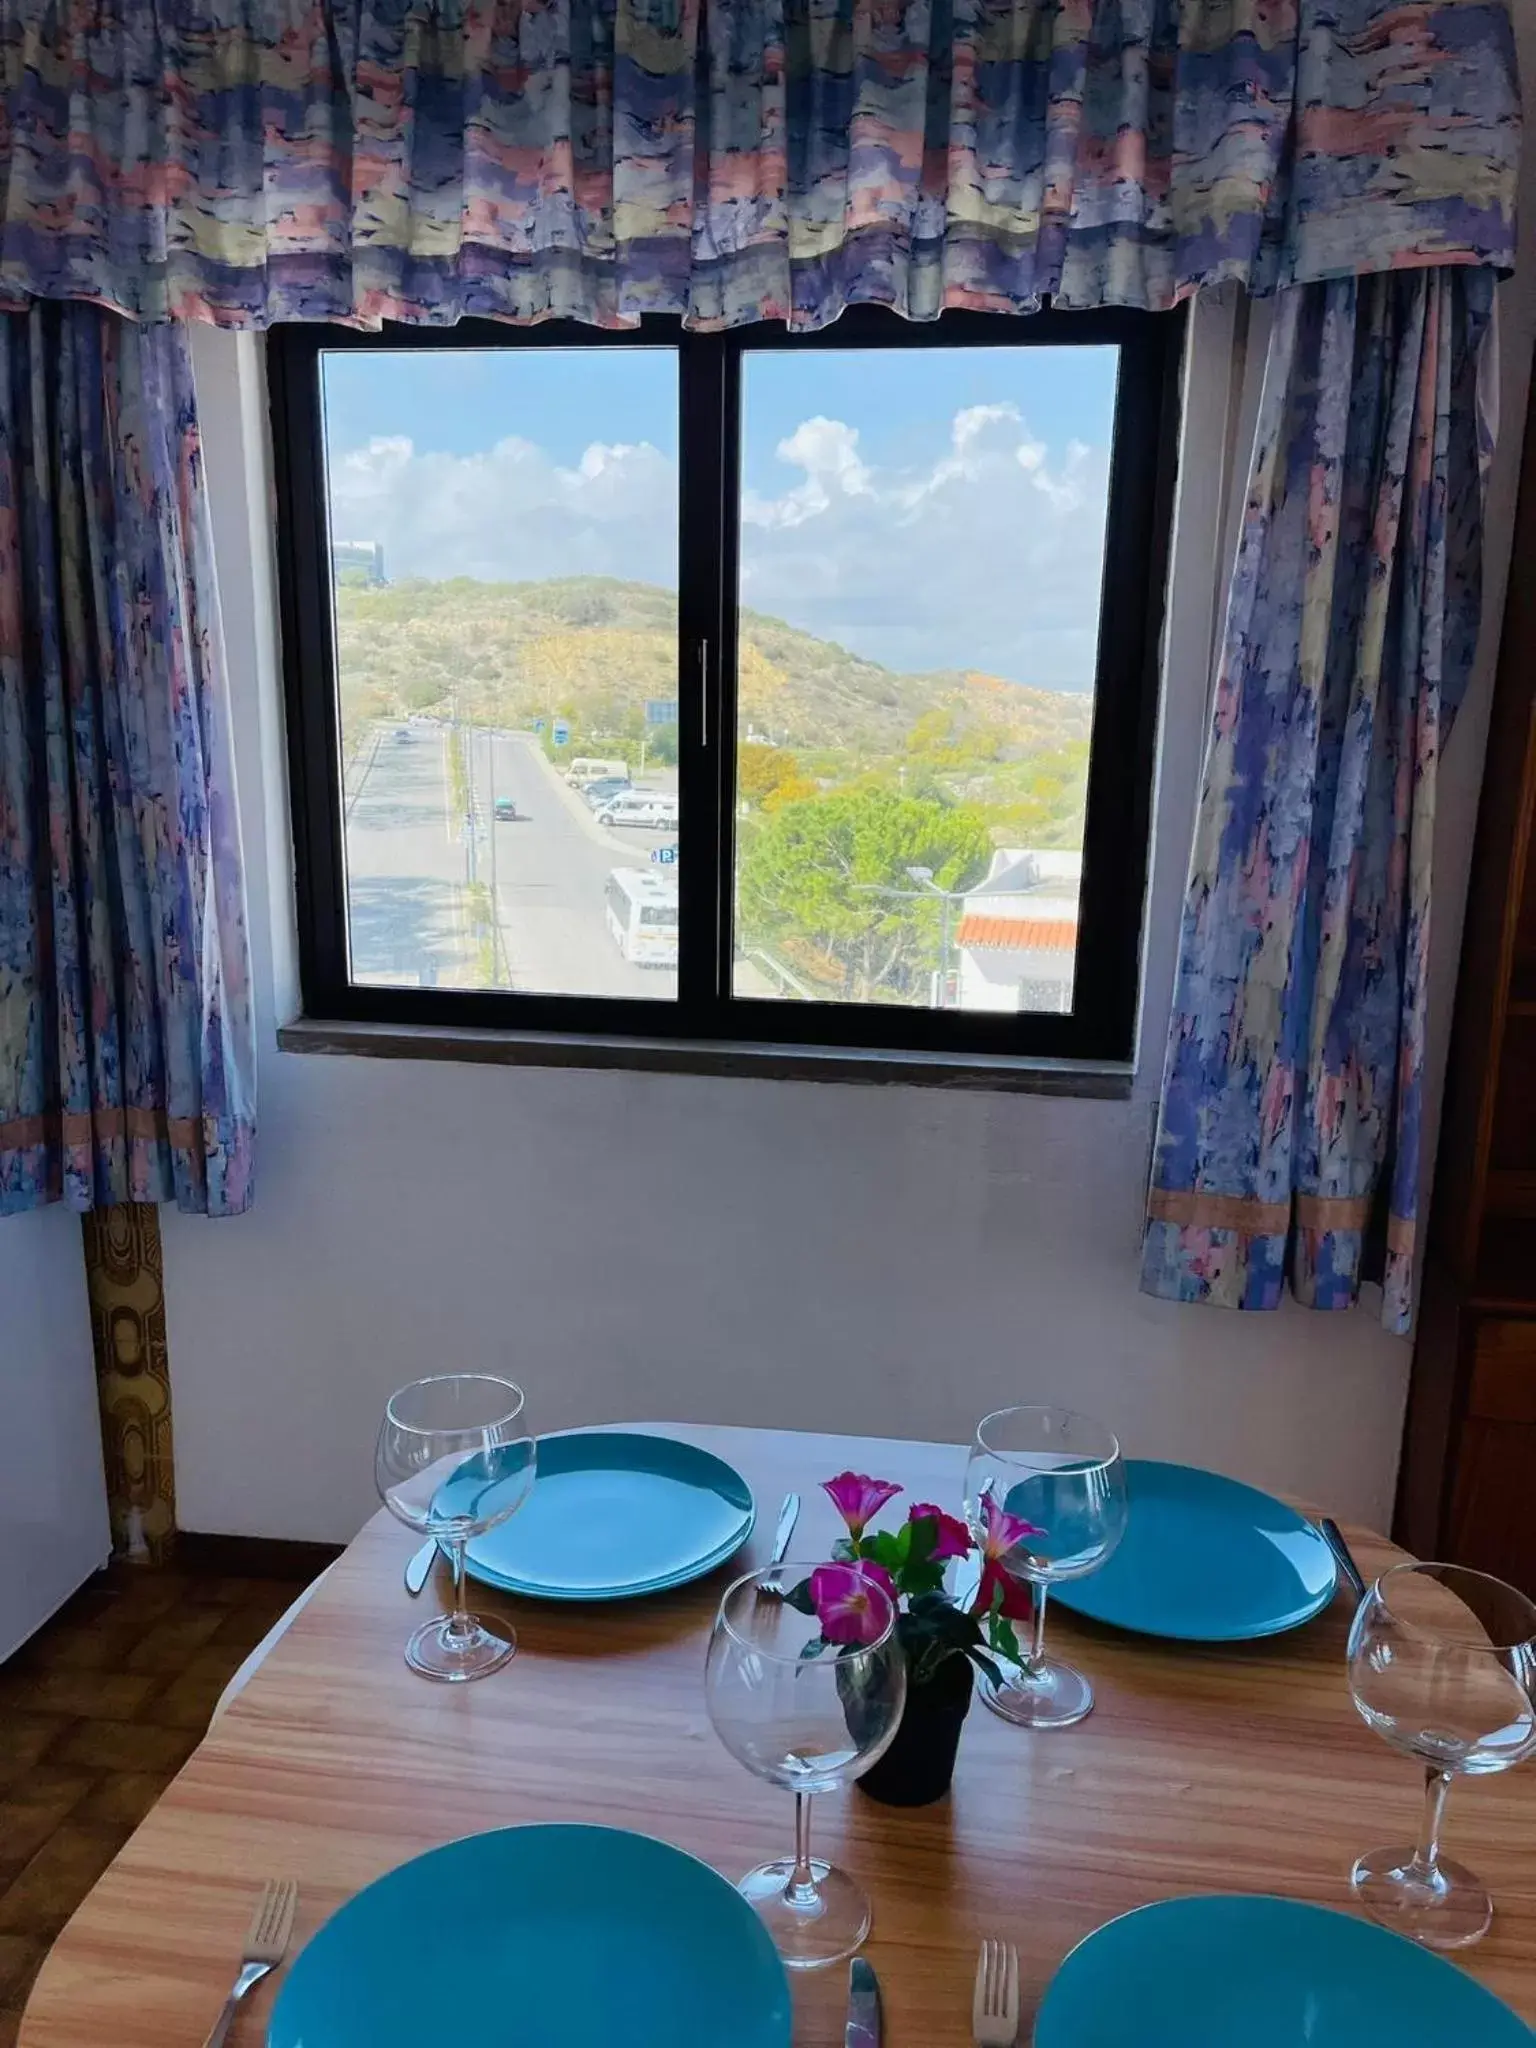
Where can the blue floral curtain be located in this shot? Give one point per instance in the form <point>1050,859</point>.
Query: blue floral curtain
<point>1294,1083</point>
<point>126,1052</point>
<point>730,160</point>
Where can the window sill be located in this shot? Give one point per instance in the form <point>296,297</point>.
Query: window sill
<point>1108,1080</point>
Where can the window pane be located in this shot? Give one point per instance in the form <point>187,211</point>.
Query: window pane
<point>922,545</point>
<point>504,553</point>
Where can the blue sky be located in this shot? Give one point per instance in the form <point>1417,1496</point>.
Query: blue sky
<point>929,507</point>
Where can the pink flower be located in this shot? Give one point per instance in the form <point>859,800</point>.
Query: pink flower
<point>1001,1533</point>
<point>858,1499</point>
<point>851,1604</point>
<point>953,1539</point>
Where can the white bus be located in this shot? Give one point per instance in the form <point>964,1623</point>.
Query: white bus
<point>642,916</point>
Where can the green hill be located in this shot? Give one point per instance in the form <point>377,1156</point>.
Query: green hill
<point>593,649</point>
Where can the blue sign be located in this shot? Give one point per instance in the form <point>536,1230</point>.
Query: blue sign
<point>661,711</point>
<point>538,725</point>
<point>664,856</point>
<point>562,732</point>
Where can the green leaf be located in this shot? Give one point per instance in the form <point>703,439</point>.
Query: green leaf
<point>885,1548</point>
<point>814,1648</point>
<point>799,1597</point>
<point>1004,1640</point>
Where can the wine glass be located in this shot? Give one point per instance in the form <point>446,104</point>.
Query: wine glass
<point>1442,1663</point>
<point>453,1460</point>
<point>1063,1473</point>
<point>809,1722</point>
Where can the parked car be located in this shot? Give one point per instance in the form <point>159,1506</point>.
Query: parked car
<point>641,807</point>
<point>599,793</point>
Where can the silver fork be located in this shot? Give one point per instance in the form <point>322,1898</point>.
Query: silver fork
<point>266,1943</point>
<point>995,2005</point>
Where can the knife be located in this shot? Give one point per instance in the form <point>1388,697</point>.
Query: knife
<point>789,1514</point>
<point>863,2027</point>
<point>1333,1536</point>
<point>419,1569</point>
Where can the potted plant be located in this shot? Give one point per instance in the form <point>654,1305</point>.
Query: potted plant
<point>942,1643</point>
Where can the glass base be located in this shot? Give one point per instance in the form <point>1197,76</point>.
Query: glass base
<point>1448,1909</point>
<point>1051,1695</point>
<point>437,1651</point>
<point>822,1929</point>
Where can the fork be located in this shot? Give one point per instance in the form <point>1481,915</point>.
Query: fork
<point>995,2005</point>
<point>266,1943</point>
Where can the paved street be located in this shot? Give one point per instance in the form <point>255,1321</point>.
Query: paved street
<point>550,870</point>
<point>405,864</point>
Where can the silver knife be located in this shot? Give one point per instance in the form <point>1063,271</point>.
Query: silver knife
<point>789,1514</point>
<point>419,1569</point>
<point>1333,1536</point>
<point>863,2027</point>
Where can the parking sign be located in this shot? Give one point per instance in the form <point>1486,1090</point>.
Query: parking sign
<point>562,732</point>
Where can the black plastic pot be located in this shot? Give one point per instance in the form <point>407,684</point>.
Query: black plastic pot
<point>920,1763</point>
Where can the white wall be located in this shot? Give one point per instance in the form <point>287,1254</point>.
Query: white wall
<point>53,1503</point>
<point>890,1259</point>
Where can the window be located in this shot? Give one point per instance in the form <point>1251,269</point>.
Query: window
<point>744,687</point>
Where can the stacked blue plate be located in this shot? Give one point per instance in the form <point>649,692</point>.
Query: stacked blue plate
<point>1205,1559</point>
<point>540,1937</point>
<point>614,1515</point>
<point>1264,1973</point>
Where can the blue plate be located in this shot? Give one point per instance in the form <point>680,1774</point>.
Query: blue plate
<point>1206,1560</point>
<point>541,1937</point>
<point>614,1515</point>
<point>1263,1973</point>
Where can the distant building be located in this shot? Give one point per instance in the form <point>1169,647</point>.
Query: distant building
<point>1017,935</point>
<point>358,561</point>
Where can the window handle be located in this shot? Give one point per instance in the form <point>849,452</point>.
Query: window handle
<point>703,693</point>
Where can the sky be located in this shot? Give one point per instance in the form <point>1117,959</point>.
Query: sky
<point>927,507</point>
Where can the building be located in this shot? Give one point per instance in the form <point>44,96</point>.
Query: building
<point>358,561</point>
<point>1017,937</point>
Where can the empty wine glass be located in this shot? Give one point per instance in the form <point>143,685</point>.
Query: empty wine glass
<point>1442,1664</point>
<point>808,1722</point>
<point>1063,1473</point>
<point>453,1460</point>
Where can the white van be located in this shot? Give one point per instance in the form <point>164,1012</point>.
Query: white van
<point>641,807</point>
<point>582,771</point>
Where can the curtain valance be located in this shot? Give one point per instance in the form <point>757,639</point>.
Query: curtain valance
<point>244,161</point>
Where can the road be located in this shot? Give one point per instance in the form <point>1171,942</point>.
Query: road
<point>405,865</point>
<point>408,860</point>
<point>550,870</point>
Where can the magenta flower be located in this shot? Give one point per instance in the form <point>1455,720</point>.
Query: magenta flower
<point>858,1499</point>
<point>1002,1532</point>
<point>953,1540</point>
<point>851,1604</point>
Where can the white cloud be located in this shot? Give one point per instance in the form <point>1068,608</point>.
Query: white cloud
<point>986,552</point>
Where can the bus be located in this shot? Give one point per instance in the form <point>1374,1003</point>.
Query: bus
<point>584,770</point>
<point>642,916</point>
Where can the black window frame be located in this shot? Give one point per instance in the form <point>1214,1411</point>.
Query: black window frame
<point>1101,1025</point>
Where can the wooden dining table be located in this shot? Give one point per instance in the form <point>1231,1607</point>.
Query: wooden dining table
<point>1243,1768</point>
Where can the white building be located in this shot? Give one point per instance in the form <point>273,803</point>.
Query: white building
<point>1017,936</point>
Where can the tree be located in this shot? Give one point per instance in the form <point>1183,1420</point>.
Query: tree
<point>812,870</point>
<point>761,770</point>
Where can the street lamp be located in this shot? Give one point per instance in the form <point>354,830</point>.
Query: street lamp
<point>926,886</point>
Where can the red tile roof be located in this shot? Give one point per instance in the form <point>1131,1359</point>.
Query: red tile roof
<point>1019,934</point>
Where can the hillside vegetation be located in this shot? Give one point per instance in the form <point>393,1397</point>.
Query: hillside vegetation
<point>592,649</point>
<point>849,774</point>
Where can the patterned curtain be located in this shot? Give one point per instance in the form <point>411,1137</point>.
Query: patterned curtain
<point>126,1051</point>
<point>1295,1066</point>
<point>253,160</point>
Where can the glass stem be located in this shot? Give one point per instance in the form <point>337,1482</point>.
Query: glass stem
<point>1426,1857</point>
<point>460,1628</point>
<point>1036,1657</point>
<point>801,1889</point>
